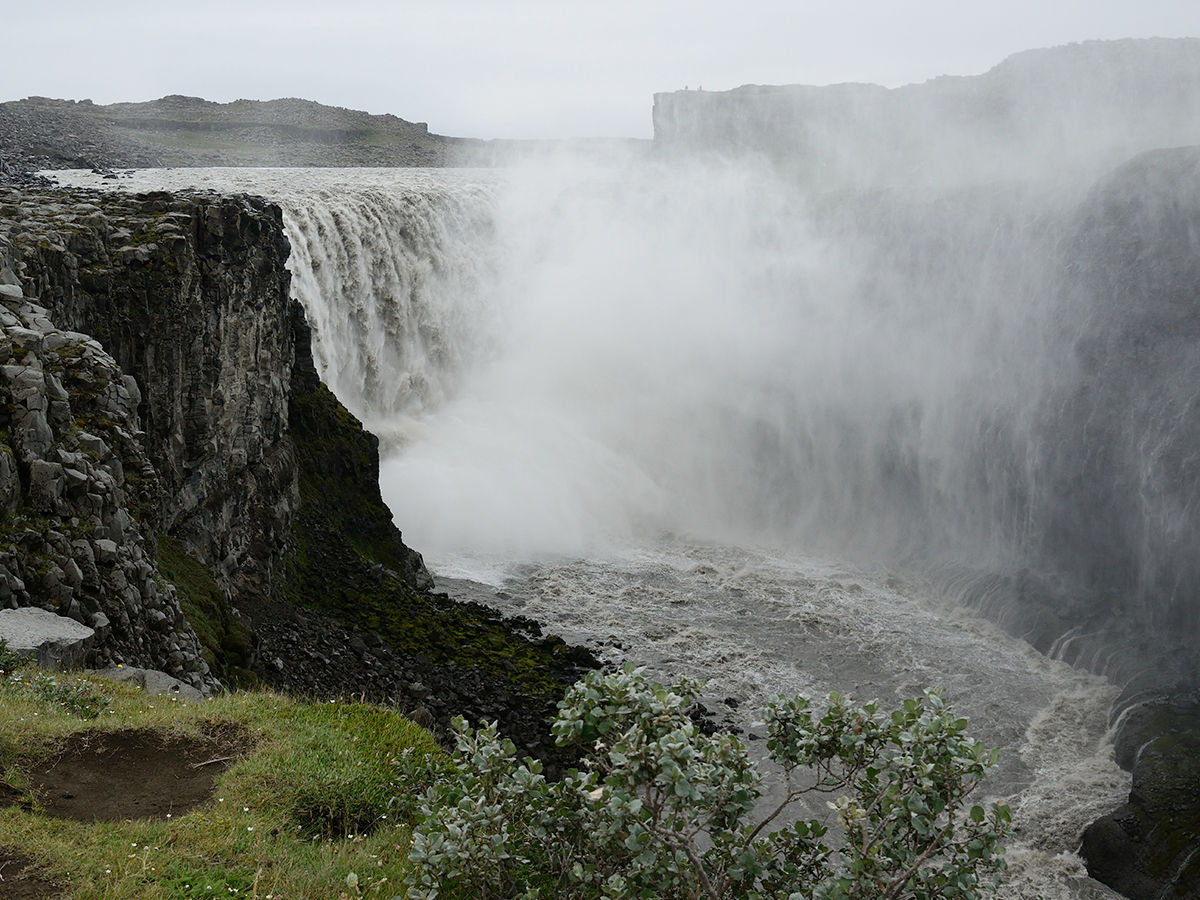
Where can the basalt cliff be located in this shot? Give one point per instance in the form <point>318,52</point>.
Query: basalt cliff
<point>174,474</point>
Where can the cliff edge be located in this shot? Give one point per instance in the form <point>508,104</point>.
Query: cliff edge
<point>176,475</point>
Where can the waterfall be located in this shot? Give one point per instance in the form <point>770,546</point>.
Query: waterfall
<point>700,349</point>
<point>596,356</point>
<point>394,278</point>
<point>996,383</point>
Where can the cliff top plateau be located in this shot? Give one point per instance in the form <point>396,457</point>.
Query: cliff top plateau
<point>39,132</point>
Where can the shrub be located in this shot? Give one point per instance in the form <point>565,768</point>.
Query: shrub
<point>661,809</point>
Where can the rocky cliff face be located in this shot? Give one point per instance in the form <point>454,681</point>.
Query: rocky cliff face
<point>184,426</point>
<point>75,482</point>
<point>191,295</point>
<point>174,473</point>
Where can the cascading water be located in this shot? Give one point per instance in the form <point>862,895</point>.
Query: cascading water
<point>632,401</point>
<point>410,270</point>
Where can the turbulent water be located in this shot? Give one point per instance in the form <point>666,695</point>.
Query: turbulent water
<point>701,420</point>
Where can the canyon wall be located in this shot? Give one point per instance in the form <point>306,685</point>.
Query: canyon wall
<point>148,392</point>
<point>1096,141</point>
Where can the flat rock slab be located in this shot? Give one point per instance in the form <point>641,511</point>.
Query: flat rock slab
<point>56,642</point>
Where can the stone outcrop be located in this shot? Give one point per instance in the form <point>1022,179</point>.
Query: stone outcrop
<point>53,641</point>
<point>153,682</point>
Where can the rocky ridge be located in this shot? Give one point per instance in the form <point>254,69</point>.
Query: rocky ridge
<point>189,131</point>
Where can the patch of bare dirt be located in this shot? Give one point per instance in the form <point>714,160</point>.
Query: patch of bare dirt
<point>21,880</point>
<point>102,776</point>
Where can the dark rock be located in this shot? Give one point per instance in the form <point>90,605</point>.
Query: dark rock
<point>1148,849</point>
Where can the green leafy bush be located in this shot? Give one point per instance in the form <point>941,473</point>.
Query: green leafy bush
<point>661,809</point>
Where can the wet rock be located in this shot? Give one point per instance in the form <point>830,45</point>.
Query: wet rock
<point>1146,849</point>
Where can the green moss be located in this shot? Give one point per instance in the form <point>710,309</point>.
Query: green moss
<point>347,559</point>
<point>226,643</point>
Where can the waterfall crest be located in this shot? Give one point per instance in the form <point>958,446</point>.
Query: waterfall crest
<point>393,275</point>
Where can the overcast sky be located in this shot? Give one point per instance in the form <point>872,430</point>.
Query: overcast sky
<point>530,68</point>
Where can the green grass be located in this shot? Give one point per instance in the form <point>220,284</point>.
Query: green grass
<point>309,806</point>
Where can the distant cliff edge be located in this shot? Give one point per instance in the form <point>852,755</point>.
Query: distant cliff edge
<point>1093,104</point>
<point>39,132</point>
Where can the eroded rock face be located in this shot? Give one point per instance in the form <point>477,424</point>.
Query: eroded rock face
<point>182,429</point>
<point>71,542</point>
<point>190,294</point>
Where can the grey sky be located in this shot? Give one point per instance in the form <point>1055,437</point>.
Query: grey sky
<point>530,68</point>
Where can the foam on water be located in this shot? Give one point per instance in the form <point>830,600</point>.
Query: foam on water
<point>756,624</point>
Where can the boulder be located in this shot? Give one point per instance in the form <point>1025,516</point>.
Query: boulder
<point>153,682</point>
<point>56,642</point>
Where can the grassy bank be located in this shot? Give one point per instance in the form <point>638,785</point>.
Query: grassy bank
<point>303,806</point>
